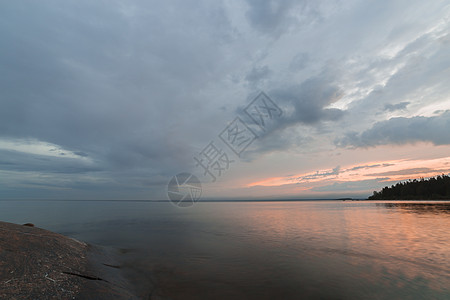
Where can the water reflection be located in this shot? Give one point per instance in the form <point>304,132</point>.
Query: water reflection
<point>314,250</point>
<point>267,250</point>
<point>419,208</point>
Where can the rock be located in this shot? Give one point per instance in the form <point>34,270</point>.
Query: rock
<point>39,264</point>
<point>28,224</point>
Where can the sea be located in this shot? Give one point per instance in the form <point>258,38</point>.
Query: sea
<point>264,249</point>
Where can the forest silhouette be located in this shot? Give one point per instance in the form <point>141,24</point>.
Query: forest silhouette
<point>434,188</point>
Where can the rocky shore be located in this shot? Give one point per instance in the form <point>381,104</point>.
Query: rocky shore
<point>39,264</point>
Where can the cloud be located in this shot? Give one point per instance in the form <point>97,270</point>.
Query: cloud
<point>353,186</point>
<point>19,161</point>
<point>257,74</point>
<point>302,179</point>
<point>403,72</point>
<point>304,108</point>
<point>300,61</point>
<point>108,84</point>
<point>270,16</point>
<point>402,131</point>
<point>368,167</point>
<point>307,102</point>
<point>404,172</point>
<point>319,174</point>
<point>126,93</point>
<point>394,107</point>
<point>277,17</point>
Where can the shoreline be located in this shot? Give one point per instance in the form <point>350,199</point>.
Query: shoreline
<point>39,264</point>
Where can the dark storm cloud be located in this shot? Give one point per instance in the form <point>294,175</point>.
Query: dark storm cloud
<point>402,131</point>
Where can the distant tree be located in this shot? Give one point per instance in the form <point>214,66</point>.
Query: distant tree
<point>434,188</point>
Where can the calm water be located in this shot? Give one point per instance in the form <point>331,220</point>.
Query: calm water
<point>266,250</point>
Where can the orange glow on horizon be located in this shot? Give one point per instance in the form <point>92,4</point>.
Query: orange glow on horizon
<point>390,170</point>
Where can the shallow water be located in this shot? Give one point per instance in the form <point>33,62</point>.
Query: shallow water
<point>266,250</point>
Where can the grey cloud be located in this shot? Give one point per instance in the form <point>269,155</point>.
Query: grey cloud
<point>105,84</point>
<point>319,174</point>
<point>136,88</point>
<point>394,107</point>
<point>269,15</point>
<point>303,104</point>
<point>80,153</point>
<point>402,131</point>
<point>19,161</point>
<point>419,70</point>
<point>368,167</point>
<point>258,74</point>
<point>306,103</point>
<point>300,61</point>
<point>404,172</point>
<point>354,186</point>
<point>276,17</point>
<point>108,84</point>
<point>277,140</point>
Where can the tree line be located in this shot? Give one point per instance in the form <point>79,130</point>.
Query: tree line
<point>434,188</point>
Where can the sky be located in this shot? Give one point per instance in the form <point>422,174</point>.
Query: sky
<point>111,99</point>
